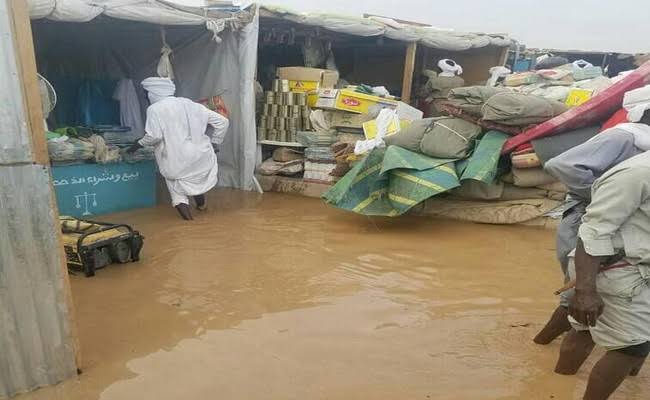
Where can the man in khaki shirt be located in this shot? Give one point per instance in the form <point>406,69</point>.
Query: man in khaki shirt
<point>611,267</point>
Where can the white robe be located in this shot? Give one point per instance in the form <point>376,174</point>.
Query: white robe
<point>176,128</point>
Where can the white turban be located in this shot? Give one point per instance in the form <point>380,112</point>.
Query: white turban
<point>449,67</point>
<point>637,102</point>
<point>158,88</point>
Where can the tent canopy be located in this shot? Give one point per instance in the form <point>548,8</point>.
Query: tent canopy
<point>428,36</point>
<point>123,39</point>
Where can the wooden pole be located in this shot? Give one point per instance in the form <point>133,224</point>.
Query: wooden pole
<point>25,57</point>
<point>409,66</point>
<point>27,70</point>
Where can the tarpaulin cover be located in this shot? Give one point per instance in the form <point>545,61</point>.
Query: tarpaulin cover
<point>153,11</point>
<point>115,49</point>
<point>444,39</point>
<point>482,165</point>
<point>390,181</point>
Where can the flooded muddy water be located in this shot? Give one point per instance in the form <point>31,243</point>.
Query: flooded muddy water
<point>278,297</point>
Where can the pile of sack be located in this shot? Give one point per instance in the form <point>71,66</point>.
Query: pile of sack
<point>504,107</point>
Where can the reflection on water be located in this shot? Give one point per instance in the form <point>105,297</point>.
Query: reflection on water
<point>277,297</point>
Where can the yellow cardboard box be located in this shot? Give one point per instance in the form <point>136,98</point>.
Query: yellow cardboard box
<point>370,128</point>
<point>349,100</point>
<point>577,97</point>
<point>360,103</point>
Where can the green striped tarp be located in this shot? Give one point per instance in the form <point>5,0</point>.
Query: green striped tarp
<point>390,181</point>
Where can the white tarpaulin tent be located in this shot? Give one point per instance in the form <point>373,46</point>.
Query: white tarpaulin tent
<point>436,38</point>
<point>212,54</point>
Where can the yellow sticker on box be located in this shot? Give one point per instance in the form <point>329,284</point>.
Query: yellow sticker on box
<point>303,86</point>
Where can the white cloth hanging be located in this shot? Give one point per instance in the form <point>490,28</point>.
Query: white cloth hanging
<point>130,114</point>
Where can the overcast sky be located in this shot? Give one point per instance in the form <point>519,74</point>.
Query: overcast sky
<point>619,26</point>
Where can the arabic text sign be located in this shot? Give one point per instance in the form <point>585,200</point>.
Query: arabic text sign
<point>91,189</point>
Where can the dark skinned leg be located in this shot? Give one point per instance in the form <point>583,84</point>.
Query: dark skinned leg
<point>576,347</point>
<point>637,368</point>
<point>200,202</point>
<point>184,211</point>
<point>557,325</point>
<point>608,373</point>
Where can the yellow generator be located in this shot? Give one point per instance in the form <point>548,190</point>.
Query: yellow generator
<point>91,245</point>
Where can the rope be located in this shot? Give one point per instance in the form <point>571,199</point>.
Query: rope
<point>452,131</point>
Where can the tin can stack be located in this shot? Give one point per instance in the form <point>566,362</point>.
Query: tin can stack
<point>284,113</point>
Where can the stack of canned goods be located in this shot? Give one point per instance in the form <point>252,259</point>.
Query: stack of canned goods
<point>284,114</point>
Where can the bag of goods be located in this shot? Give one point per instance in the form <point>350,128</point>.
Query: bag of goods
<point>550,62</point>
<point>522,78</point>
<point>319,172</point>
<point>448,137</point>
<point>438,87</point>
<point>531,177</point>
<point>284,154</point>
<point>271,167</point>
<point>476,190</point>
<point>518,109</point>
<point>526,160</point>
<point>471,98</point>
<point>584,70</point>
<point>70,149</point>
<point>410,137</point>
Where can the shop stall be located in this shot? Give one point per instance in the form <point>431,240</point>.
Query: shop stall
<point>91,59</point>
<point>347,69</point>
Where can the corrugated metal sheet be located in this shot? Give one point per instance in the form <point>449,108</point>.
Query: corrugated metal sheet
<point>36,347</point>
<point>14,139</point>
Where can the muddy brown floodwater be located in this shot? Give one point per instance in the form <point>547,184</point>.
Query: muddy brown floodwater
<point>278,297</point>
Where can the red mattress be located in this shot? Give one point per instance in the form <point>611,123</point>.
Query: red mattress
<point>599,108</point>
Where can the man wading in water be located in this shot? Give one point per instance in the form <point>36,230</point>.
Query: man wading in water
<point>611,305</point>
<point>176,129</point>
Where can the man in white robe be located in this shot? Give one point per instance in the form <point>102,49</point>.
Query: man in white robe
<point>177,129</point>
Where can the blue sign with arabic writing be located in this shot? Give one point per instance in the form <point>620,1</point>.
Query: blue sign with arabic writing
<point>94,189</point>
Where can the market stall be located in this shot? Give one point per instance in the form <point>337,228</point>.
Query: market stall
<point>92,57</point>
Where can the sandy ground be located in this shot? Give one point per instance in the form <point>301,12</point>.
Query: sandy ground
<point>278,297</point>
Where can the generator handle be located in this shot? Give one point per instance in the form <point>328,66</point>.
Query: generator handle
<point>104,228</point>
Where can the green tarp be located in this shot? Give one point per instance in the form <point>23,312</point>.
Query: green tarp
<point>482,165</point>
<point>390,181</point>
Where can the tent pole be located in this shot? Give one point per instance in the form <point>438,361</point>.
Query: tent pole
<point>409,67</point>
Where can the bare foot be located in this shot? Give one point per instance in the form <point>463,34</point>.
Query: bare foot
<point>184,211</point>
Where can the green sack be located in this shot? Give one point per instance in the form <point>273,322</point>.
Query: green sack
<point>471,98</point>
<point>518,109</point>
<point>410,137</point>
<point>449,138</point>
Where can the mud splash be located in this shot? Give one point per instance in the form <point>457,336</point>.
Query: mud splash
<point>277,297</point>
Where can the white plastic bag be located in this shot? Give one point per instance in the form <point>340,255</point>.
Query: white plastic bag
<point>384,120</point>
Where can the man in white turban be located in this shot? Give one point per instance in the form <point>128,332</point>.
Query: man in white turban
<point>176,128</point>
<point>449,68</point>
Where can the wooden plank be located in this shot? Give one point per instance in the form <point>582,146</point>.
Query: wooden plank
<point>409,67</point>
<point>24,44</point>
<point>23,40</point>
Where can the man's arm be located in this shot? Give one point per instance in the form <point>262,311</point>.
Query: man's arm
<point>580,166</point>
<point>153,133</point>
<point>219,125</point>
<point>587,305</point>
